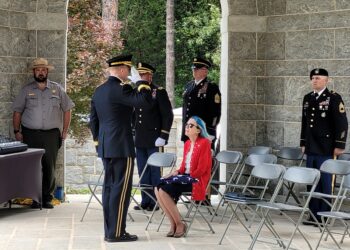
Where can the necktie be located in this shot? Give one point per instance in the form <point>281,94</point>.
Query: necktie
<point>316,96</point>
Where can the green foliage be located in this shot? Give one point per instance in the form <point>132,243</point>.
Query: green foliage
<point>90,44</point>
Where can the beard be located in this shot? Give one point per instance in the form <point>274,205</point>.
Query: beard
<point>40,78</point>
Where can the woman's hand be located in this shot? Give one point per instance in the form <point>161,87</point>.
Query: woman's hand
<point>174,173</point>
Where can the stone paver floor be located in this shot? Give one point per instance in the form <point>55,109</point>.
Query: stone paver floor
<point>61,228</point>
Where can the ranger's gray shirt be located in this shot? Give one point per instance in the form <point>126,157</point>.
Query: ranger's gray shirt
<point>42,109</point>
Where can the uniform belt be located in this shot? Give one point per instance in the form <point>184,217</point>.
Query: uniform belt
<point>39,130</point>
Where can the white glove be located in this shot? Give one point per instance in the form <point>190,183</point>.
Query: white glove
<point>135,76</point>
<point>160,142</point>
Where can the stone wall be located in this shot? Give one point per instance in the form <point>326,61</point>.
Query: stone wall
<point>272,45</point>
<point>82,164</point>
<point>30,29</point>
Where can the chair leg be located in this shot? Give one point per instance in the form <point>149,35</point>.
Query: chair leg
<point>86,208</point>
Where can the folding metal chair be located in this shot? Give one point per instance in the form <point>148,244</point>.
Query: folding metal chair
<point>259,150</point>
<point>299,175</point>
<point>294,155</point>
<point>345,156</point>
<point>93,185</point>
<point>251,161</point>
<point>344,217</point>
<point>160,160</point>
<point>224,158</point>
<point>338,168</point>
<point>264,171</point>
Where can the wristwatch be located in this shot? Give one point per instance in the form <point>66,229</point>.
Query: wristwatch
<point>16,131</point>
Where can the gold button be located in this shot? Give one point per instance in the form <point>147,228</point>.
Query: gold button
<point>140,109</point>
<point>312,114</point>
<point>140,122</point>
<point>312,120</point>
<point>313,108</point>
<point>311,126</point>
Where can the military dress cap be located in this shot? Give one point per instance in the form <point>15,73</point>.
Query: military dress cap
<point>318,72</point>
<point>200,63</point>
<point>41,63</point>
<point>145,68</point>
<point>120,60</point>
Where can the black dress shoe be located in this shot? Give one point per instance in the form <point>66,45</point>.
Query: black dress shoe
<point>144,207</point>
<point>150,208</point>
<point>47,204</point>
<point>35,205</point>
<point>123,238</point>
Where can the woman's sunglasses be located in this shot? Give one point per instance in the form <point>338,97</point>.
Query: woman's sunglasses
<point>191,125</point>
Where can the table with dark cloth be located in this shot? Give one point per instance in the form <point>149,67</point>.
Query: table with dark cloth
<point>20,175</point>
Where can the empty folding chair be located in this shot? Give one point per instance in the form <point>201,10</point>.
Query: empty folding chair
<point>299,175</point>
<point>344,217</point>
<point>295,156</point>
<point>224,158</point>
<point>93,185</point>
<point>344,156</point>
<point>237,185</point>
<point>267,173</point>
<point>338,168</point>
<point>259,150</point>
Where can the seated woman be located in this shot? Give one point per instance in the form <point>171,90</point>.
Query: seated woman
<point>197,164</point>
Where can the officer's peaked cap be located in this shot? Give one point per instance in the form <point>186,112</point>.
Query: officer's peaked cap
<point>318,72</point>
<point>120,60</point>
<point>145,68</point>
<point>200,63</point>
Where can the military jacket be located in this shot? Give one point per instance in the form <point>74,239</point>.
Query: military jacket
<point>154,120</point>
<point>324,123</point>
<point>204,101</point>
<point>110,118</point>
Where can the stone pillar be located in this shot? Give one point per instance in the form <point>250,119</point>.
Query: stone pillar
<point>30,29</point>
<point>272,46</point>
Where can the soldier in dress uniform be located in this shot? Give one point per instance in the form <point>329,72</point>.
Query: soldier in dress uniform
<point>201,98</point>
<point>152,128</point>
<point>323,132</point>
<point>110,121</point>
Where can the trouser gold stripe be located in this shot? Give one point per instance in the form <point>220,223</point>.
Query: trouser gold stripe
<point>122,197</point>
<point>161,150</point>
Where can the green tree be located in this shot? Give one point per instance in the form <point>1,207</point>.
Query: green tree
<point>90,44</point>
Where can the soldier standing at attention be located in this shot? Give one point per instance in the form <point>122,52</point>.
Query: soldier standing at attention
<point>201,98</point>
<point>323,132</point>
<point>152,128</point>
<point>110,122</point>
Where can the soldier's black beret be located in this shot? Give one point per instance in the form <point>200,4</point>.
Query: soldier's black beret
<point>145,68</point>
<point>120,60</point>
<point>200,63</point>
<point>318,72</point>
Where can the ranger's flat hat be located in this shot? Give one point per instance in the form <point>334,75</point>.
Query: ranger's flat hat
<point>41,63</point>
<point>318,72</point>
<point>120,60</point>
<point>145,68</point>
<point>200,63</point>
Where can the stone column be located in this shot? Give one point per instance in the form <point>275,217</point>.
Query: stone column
<point>30,29</point>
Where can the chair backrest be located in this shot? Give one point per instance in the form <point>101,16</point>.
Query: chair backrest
<point>347,181</point>
<point>337,167</point>
<point>254,159</point>
<point>268,171</point>
<point>229,157</point>
<point>259,150</point>
<point>344,156</point>
<point>302,175</point>
<point>163,160</point>
<point>290,153</point>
